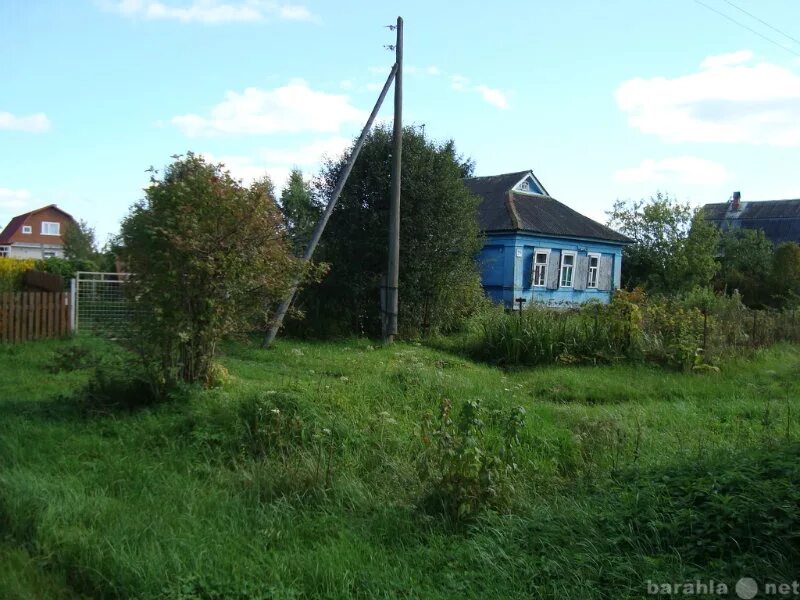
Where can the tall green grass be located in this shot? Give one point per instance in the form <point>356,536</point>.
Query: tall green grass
<point>698,330</point>
<point>216,495</point>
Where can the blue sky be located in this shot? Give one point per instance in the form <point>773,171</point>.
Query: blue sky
<point>603,100</point>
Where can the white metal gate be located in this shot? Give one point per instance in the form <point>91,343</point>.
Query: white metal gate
<point>99,303</point>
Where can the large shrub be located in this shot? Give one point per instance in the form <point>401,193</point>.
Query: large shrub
<point>208,257</point>
<point>439,239</point>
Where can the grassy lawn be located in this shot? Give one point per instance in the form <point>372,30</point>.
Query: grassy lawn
<point>626,474</point>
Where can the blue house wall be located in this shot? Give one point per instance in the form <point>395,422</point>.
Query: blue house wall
<point>506,263</point>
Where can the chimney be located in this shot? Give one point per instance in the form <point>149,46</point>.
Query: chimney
<point>736,200</point>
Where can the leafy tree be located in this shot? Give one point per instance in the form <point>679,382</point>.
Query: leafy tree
<point>208,256</point>
<point>79,242</point>
<point>439,239</point>
<point>745,265</point>
<point>300,211</point>
<point>785,276</point>
<point>674,247</point>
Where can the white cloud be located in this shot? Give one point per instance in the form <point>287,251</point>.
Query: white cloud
<point>289,109</point>
<point>36,123</point>
<point>310,154</point>
<point>211,11</point>
<point>492,96</point>
<point>278,163</point>
<point>726,60</point>
<point>726,101</point>
<point>689,170</point>
<point>14,199</point>
<point>433,70</point>
<point>250,169</point>
<point>346,84</point>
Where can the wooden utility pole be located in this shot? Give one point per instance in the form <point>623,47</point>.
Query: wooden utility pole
<point>393,274</point>
<point>312,243</point>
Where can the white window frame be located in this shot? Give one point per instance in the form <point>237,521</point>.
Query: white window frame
<point>27,229</point>
<point>45,228</point>
<point>563,267</point>
<point>589,286</point>
<point>49,254</point>
<point>4,250</point>
<point>546,254</point>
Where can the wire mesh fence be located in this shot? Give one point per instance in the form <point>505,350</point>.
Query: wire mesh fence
<point>101,305</point>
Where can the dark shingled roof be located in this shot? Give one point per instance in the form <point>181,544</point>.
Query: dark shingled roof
<point>779,219</point>
<point>504,210</point>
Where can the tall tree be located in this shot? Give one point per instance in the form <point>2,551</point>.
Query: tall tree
<point>79,242</point>
<point>674,247</point>
<point>300,211</point>
<point>745,265</point>
<point>785,276</point>
<point>439,239</point>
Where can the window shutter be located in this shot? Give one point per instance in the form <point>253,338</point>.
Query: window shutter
<point>553,269</point>
<point>581,272</point>
<point>605,272</point>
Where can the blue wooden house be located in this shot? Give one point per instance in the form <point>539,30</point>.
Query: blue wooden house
<point>539,249</point>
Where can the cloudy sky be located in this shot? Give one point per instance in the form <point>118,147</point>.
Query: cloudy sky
<point>602,99</point>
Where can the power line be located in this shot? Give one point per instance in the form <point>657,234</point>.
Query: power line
<point>763,22</point>
<point>750,29</point>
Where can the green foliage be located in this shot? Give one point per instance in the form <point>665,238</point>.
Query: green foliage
<point>468,463</point>
<point>73,358</point>
<point>674,247</point>
<point>745,265</point>
<point>80,243</point>
<point>785,274</point>
<point>208,258</point>
<point>439,239</point>
<point>66,268</point>
<point>116,384</point>
<point>737,505</point>
<point>683,332</point>
<point>541,335</point>
<point>300,211</point>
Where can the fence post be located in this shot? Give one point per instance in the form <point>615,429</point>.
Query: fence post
<point>73,314</point>
<point>753,337</point>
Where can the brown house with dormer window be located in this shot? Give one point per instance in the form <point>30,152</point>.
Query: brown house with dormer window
<point>36,234</point>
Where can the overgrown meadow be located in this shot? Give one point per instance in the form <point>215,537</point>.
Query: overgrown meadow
<point>349,470</point>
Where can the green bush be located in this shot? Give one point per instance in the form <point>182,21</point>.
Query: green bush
<point>64,267</point>
<point>468,462</point>
<point>208,259</point>
<point>693,331</point>
<point>117,383</point>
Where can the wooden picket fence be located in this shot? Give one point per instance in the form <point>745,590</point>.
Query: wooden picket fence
<point>28,316</point>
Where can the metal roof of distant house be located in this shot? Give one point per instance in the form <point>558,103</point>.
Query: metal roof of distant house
<point>779,219</point>
<point>15,223</point>
<point>505,209</point>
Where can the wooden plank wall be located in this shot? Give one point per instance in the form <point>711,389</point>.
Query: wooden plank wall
<point>28,316</point>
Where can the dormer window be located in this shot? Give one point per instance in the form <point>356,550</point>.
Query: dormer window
<point>51,228</point>
<point>27,229</point>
